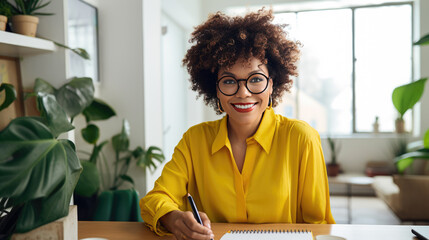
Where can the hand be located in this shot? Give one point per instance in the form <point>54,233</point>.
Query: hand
<point>184,226</point>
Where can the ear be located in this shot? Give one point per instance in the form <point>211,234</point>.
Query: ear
<point>270,86</point>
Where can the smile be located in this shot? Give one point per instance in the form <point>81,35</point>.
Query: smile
<point>244,107</point>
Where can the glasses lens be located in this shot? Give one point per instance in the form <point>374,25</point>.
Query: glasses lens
<point>228,85</point>
<point>257,83</point>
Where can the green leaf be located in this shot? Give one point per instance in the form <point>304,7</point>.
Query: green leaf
<point>39,211</point>
<point>147,160</point>
<point>76,95</point>
<point>98,110</point>
<point>423,41</point>
<point>426,140</point>
<point>79,51</point>
<point>43,86</point>
<point>91,134</point>
<point>36,170</point>
<point>121,141</point>
<point>9,95</point>
<point>405,160</point>
<point>82,53</point>
<point>56,118</point>
<point>406,96</point>
<point>89,181</point>
<point>96,151</point>
<point>127,179</point>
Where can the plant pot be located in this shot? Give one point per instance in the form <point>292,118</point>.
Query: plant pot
<point>3,21</point>
<point>25,25</point>
<point>62,229</point>
<point>400,125</point>
<point>332,169</point>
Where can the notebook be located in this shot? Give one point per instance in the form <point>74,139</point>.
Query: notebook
<point>268,235</point>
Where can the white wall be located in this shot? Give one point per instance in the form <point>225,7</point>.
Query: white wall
<point>121,74</point>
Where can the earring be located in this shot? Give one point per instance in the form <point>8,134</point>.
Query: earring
<point>219,106</point>
<point>270,102</point>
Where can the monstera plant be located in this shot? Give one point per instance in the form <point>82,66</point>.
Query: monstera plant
<point>39,170</point>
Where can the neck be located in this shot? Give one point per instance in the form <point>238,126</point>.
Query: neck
<point>240,131</point>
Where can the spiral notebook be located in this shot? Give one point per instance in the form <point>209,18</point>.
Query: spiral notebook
<point>268,235</point>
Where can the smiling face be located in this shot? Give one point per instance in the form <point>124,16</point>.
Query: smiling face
<point>244,107</point>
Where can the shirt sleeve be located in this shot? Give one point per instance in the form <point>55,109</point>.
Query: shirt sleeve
<point>170,189</point>
<point>313,194</point>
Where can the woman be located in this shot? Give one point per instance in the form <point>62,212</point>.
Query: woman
<point>252,165</point>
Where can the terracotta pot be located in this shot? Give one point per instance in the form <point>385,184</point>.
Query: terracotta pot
<point>332,169</point>
<point>400,125</point>
<point>3,21</point>
<point>25,24</point>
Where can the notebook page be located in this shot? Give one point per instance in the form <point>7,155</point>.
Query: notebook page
<point>268,235</point>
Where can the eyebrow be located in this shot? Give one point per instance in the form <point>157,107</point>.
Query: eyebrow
<point>233,75</point>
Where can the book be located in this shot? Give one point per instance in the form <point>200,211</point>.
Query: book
<point>268,235</point>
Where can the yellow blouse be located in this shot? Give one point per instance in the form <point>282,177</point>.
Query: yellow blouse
<point>283,177</point>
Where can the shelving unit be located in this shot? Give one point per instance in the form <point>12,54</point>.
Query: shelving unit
<point>17,45</point>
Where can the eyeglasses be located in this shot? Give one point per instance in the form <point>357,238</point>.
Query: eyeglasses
<point>255,83</point>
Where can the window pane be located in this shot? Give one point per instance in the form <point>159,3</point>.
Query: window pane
<point>383,62</point>
<point>325,70</point>
<point>288,105</point>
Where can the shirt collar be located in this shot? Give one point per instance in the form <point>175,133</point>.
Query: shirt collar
<point>264,134</point>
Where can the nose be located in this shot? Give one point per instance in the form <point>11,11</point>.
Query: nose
<point>242,90</point>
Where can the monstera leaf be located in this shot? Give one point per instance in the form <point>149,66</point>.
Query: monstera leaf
<point>37,172</point>
<point>98,110</point>
<point>9,95</point>
<point>54,115</point>
<point>73,96</point>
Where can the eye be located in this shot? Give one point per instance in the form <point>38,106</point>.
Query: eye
<point>228,81</point>
<point>256,79</point>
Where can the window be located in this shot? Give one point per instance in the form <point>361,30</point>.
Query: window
<point>351,60</point>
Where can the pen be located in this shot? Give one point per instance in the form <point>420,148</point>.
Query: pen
<point>418,235</point>
<point>195,210</point>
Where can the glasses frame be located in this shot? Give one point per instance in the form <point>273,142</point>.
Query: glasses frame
<point>241,80</point>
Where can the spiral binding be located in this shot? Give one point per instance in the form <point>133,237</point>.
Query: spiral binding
<point>269,231</point>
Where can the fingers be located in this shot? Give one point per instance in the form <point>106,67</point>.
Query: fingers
<point>184,226</point>
<point>205,219</point>
<point>195,230</point>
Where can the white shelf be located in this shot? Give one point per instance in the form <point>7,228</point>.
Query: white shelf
<point>17,45</point>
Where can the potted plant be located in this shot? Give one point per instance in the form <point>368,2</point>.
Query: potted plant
<point>38,170</point>
<point>415,150</point>
<point>112,181</point>
<point>406,96</point>
<point>24,20</point>
<point>333,168</point>
<point>5,13</point>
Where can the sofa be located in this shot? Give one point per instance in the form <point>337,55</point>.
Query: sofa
<point>406,195</point>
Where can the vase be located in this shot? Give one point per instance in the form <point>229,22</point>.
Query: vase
<point>25,25</point>
<point>62,229</point>
<point>332,169</point>
<point>3,21</point>
<point>400,125</point>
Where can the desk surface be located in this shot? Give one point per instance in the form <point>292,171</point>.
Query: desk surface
<point>135,230</point>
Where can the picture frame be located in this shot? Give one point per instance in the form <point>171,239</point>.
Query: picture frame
<point>10,73</point>
<point>83,33</point>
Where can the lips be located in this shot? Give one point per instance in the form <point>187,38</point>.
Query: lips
<point>243,107</point>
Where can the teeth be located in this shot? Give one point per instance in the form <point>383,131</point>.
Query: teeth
<point>244,106</point>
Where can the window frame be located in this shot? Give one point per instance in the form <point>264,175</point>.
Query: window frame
<point>353,55</point>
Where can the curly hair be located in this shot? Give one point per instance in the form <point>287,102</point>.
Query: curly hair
<point>222,40</point>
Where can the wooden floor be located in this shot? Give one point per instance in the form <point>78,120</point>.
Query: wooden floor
<point>364,210</point>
